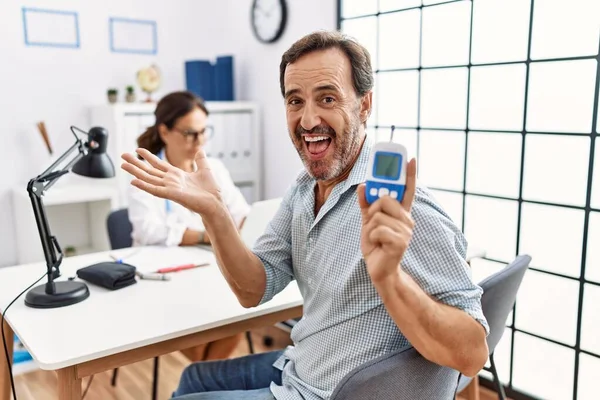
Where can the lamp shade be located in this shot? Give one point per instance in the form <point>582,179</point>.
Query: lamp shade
<point>96,163</point>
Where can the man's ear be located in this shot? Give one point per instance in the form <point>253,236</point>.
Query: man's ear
<point>366,106</point>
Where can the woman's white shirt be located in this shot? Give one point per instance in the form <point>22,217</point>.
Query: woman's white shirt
<point>158,221</point>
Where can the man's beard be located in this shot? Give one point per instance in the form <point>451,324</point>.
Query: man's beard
<point>345,148</point>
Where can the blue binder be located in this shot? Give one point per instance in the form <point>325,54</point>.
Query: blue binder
<point>199,79</point>
<point>211,82</point>
<point>224,78</point>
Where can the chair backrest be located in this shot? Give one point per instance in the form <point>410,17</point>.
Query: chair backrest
<point>499,295</point>
<point>119,229</point>
<point>261,213</point>
<point>402,375</point>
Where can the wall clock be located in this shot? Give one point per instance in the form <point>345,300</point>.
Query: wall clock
<point>268,18</point>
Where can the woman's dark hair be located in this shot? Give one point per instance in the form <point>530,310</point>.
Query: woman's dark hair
<point>170,108</point>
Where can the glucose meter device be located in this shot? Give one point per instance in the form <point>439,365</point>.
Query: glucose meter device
<point>386,173</point>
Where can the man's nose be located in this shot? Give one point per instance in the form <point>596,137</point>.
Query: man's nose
<point>310,117</point>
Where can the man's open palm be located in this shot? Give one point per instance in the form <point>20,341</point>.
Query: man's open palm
<point>196,191</point>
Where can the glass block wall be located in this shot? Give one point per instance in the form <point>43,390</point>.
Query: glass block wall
<point>498,99</point>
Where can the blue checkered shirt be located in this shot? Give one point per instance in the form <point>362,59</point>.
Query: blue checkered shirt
<point>345,323</point>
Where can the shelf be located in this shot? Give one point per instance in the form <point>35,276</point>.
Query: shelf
<point>74,193</point>
<point>148,108</point>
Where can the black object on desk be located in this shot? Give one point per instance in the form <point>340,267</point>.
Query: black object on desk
<point>111,275</point>
<point>91,161</point>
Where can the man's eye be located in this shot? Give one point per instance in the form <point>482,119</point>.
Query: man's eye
<point>294,102</point>
<point>328,99</point>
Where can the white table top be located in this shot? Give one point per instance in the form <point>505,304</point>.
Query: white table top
<point>110,322</point>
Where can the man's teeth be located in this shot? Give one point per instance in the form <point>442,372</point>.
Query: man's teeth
<point>315,138</point>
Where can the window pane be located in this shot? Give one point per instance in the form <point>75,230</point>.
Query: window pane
<point>595,201</point>
<point>590,325</point>
<point>399,39</point>
<point>364,30</point>
<point>406,137</point>
<point>398,98</point>
<point>452,203</point>
<point>556,168</point>
<point>543,369</point>
<point>373,118</point>
<point>354,8</point>
<point>502,356</point>
<point>444,98</point>
<point>500,31</point>
<point>565,29</point>
<point>446,34</point>
<point>587,388</point>
<point>561,96</point>
<point>481,268</point>
<point>391,5</point>
<point>592,266</point>
<point>547,306</point>
<point>486,151</point>
<point>557,249</point>
<point>497,97</point>
<point>441,157</point>
<point>491,225</point>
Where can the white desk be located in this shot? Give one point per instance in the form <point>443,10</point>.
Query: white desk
<point>116,328</point>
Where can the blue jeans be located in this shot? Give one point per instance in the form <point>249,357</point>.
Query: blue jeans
<point>245,378</point>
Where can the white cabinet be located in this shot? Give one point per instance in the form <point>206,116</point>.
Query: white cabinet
<point>236,139</point>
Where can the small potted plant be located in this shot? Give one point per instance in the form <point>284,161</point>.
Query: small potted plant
<point>130,94</point>
<point>113,95</point>
<point>70,251</point>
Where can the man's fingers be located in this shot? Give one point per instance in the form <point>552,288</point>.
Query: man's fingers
<point>153,160</point>
<point>132,159</point>
<point>142,175</point>
<point>395,225</point>
<point>411,184</point>
<point>158,191</point>
<point>387,205</point>
<point>386,237</point>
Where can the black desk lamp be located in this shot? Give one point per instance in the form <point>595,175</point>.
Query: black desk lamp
<point>91,161</point>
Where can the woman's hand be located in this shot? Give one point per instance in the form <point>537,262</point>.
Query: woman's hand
<point>196,191</point>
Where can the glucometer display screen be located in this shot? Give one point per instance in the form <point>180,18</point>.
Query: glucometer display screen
<point>387,165</point>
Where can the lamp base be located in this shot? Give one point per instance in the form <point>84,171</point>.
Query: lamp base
<point>66,293</point>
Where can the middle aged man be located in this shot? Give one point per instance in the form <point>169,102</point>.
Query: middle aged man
<point>374,278</point>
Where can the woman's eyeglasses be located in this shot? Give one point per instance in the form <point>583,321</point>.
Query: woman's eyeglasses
<point>190,135</point>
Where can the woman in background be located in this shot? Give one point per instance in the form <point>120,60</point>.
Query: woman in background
<point>178,134</point>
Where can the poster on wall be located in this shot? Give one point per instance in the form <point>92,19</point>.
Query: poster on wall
<point>50,28</point>
<point>133,36</point>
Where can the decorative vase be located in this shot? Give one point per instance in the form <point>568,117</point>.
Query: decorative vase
<point>113,98</point>
<point>130,97</point>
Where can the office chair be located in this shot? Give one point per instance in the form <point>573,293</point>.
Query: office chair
<point>401,375</point>
<point>405,374</point>
<point>119,233</point>
<point>499,296</point>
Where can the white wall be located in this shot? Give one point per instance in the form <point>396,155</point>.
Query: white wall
<point>58,85</point>
<point>257,73</point>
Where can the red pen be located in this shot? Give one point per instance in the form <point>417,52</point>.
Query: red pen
<point>179,268</point>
